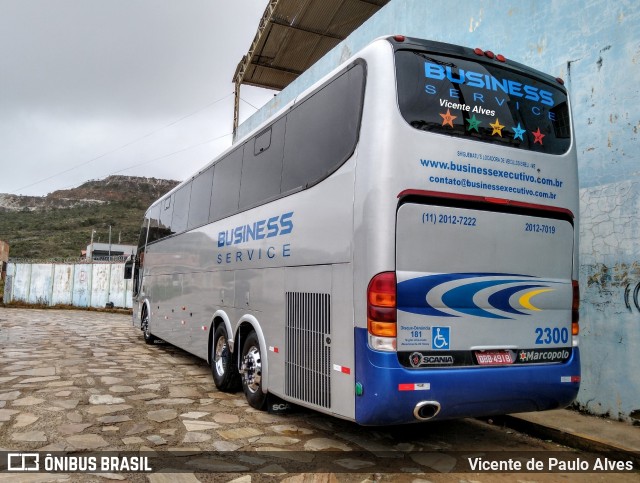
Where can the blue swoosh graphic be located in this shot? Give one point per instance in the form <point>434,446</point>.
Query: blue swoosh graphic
<point>500,299</point>
<point>461,298</point>
<point>412,294</point>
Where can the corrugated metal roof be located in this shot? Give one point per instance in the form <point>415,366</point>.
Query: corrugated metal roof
<point>294,34</point>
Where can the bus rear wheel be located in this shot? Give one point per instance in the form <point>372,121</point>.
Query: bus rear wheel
<point>251,372</point>
<point>224,371</point>
<point>146,332</point>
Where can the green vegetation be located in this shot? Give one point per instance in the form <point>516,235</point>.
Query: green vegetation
<point>64,232</point>
<point>53,231</point>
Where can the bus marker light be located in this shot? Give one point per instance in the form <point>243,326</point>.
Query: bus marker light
<point>359,389</point>
<point>478,51</point>
<point>501,58</point>
<point>399,38</point>
<point>575,308</point>
<point>574,379</point>
<point>489,54</point>
<point>387,344</point>
<point>382,329</point>
<point>342,369</point>
<point>381,305</point>
<point>204,327</point>
<point>560,80</point>
<point>499,201</point>
<point>182,322</point>
<point>274,349</point>
<point>418,386</point>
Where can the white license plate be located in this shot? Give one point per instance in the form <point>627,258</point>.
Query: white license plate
<point>494,358</point>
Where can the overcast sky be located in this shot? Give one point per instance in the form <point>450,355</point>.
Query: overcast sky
<point>90,88</point>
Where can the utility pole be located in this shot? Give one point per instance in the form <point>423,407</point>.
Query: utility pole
<point>92,233</point>
<point>109,242</point>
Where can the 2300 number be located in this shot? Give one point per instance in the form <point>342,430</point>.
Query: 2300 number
<point>548,335</point>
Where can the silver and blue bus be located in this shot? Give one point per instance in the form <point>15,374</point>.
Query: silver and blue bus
<point>398,244</point>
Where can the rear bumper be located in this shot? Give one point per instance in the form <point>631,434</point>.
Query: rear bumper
<point>391,392</point>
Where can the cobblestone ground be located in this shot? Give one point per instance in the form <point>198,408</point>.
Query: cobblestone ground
<point>74,381</point>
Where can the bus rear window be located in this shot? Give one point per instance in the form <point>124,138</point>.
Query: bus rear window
<point>481,101</point>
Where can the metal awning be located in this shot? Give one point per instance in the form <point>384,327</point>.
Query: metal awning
<point>293,35</point>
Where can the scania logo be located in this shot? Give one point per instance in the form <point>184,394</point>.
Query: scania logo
<point>417,359</point>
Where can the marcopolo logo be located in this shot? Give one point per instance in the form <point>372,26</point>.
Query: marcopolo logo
<point>543,355</point>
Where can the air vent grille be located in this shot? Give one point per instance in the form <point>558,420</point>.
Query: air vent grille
<point>308,350</point>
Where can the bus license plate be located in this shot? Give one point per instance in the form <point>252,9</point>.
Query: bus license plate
<point>494,358</point>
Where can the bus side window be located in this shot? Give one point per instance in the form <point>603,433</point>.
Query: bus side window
<point>200,198</point>
<point>155,233</point>
<point>262,167</point>
<point>262,142</point>
<point>144,230</point>
<point>322,131</point>
<point>181,209</point>
<point>226,186</point>
<point>166,212</point>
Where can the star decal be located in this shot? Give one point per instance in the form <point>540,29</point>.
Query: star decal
<point>473,123</point>
<point>497,128</point>
<point>448,118</point>
<point>518,132</point>
<point>537,136</point>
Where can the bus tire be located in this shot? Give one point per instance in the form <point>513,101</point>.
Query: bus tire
<point>146,331</point>
<point>224,371</point>
<point>251,371</point>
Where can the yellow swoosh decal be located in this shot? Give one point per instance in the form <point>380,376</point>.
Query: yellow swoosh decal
<point>525,300</point>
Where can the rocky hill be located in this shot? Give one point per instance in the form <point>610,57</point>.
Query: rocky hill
<point>60,224</point>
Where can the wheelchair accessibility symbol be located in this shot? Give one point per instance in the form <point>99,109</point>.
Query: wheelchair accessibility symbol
<point>440,338</point>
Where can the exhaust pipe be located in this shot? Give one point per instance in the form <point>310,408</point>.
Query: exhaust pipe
<point>426,410</point>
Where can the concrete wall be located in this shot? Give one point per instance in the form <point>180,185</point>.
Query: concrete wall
<point>595,46</point>
<point>79,284</point>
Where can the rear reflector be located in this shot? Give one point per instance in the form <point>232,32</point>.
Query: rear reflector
<point>418,386</point>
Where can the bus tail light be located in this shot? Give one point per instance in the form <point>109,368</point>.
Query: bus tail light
<point>381,311</point>
<point>575,311</point>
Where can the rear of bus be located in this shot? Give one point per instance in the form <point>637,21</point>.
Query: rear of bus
<point>472,300</point>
